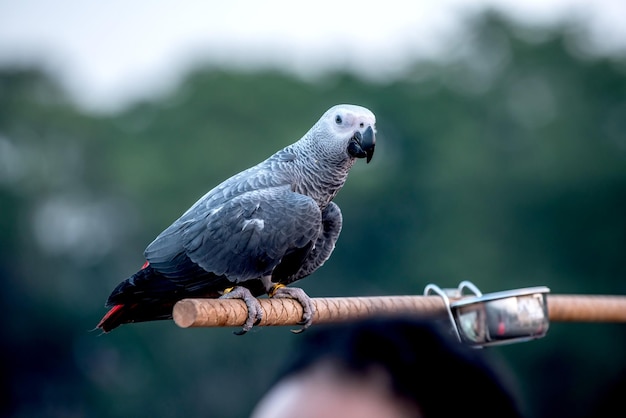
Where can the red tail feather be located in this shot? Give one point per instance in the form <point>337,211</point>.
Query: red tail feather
<point>112,318</point>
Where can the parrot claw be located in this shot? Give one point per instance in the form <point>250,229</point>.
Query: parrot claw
<point>307,305</point>
<point>255,313</point>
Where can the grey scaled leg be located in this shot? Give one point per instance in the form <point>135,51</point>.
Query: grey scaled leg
<point>281,291</point>
<point>255,313</point>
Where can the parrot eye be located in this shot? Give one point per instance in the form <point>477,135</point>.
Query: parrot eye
<point>338,120</point>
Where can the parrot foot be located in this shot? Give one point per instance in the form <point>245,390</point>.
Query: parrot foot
<point>281,291</point>
<point>255,313</point>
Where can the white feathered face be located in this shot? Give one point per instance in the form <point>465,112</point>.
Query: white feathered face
<point>353,128</point>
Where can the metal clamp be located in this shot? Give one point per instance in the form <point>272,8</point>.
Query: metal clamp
<point>497,318</point>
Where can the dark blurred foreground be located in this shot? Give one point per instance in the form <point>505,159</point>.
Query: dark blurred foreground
<point>506,166</point>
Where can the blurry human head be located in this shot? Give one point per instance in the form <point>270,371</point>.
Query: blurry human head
<point>385,367</point>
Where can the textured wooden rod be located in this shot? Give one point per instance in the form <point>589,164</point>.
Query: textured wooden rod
<point>587,308</point>
<point>233,312</point>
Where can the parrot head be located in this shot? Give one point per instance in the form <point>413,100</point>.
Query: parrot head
<point>352,129</point>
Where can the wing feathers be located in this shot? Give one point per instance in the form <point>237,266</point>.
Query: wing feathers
<point>245,238</point>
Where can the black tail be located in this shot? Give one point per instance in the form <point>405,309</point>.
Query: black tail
<point>145,296</point>
<point>149,296</point>
<point>124,314</point>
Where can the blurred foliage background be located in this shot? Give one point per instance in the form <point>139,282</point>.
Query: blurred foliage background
<point>505,166</point>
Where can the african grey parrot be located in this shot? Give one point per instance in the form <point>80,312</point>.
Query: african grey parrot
<point>256,232</point>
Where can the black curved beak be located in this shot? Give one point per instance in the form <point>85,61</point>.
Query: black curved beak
<point>362,145</point>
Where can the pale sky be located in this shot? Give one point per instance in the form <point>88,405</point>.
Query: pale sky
<point>108,53</point>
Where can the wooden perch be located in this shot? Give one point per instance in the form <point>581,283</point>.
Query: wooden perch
<point>233,312</point>
<point>587,308</point>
